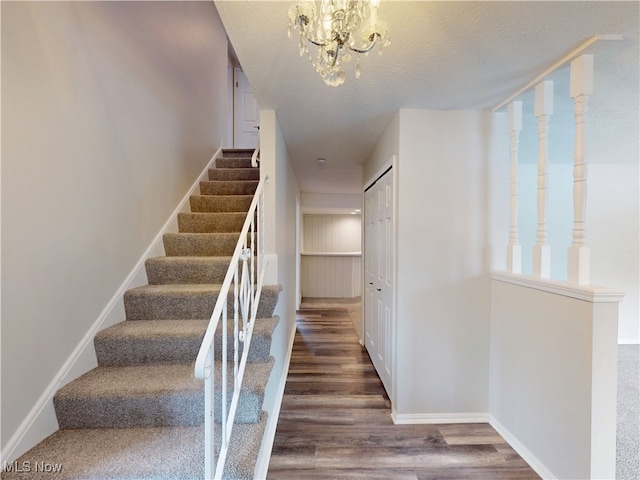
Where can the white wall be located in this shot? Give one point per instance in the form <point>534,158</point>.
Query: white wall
<point>551,392</point>
<point>110,111</point>
<point>281,196</point>
<point>445,241</point>
<point>388,145</point>
<point>613,223</point>
<point>330,203</point>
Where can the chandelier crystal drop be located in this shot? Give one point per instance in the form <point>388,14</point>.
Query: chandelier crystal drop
<point>339,28</point>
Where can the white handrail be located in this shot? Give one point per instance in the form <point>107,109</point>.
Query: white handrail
<point>247,288</point>
<point>256,152</point>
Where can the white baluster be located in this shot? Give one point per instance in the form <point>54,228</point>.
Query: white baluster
<point>543,109</point>
<point>514,251</point>
<point>578,254</point>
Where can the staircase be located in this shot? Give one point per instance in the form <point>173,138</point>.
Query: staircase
<point>140,413</point>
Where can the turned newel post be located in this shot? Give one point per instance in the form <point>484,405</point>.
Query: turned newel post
<point>581,88</point>
<point>514,252</point>
<point>541,250</point>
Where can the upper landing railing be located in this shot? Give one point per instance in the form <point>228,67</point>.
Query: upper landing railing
<point>581,87</point>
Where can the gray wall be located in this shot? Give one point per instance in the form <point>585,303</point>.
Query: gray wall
<point>110,110</point>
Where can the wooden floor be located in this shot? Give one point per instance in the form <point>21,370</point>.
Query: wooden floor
<point>335,421</point>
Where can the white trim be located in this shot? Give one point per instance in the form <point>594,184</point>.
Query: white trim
<point>264,455</point>
<point>436,418</point>
<point>374,178</point>
<point>562,61</point>
<point>592,294</point>
<point>629,341</point>
<point>526,455</point>
<point>35,417</point>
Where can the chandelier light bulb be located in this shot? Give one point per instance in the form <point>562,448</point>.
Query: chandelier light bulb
<point>341,28</point>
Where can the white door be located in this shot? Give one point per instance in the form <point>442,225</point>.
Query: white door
<point>246,113</point>
<point>378,309</point>
<point>370,310</point>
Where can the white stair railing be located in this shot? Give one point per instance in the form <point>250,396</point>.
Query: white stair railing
<point>256,153</point>
<point>244,278</point>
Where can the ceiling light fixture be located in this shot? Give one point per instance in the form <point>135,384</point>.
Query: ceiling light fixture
<point>338,29</point>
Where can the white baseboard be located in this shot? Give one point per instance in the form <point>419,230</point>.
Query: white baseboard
<point>629,341</point>
<point>41,421</point>
<point>528,457</point>
<point>426,418</point>
<point>264,456</point>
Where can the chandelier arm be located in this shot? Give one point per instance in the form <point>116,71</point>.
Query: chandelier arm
<point>373,38</point>
<point>303,21</point>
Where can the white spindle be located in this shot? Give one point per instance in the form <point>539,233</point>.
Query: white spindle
<point>543,109</point>
<point>581,88</point>
<point>514,251</point>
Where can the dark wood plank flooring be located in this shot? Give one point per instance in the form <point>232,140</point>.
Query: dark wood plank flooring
<point>335,421</point>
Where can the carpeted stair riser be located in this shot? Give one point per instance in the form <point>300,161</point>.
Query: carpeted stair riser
<point>200,244</point>
<point>189,302</point>
<point>234,162</point>
<point>153,396</point>
<point>220,203</point>
<point>211,222</point>
<point>237,153</point>
<point>186,270</point>
<point>241,187</point>
<point>234,174</point>
<point>173,341</point>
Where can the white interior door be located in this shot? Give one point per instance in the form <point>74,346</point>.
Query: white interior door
<point>370,257</point>
<point>246,113</point>
<point>379,279</point>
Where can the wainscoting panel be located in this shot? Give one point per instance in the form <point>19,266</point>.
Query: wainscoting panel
<point>332,233</point>
<point>331,275</point>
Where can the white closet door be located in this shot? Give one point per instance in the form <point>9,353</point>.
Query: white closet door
<point>379,279</point>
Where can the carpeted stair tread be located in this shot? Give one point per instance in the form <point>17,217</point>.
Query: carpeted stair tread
<point>156,453</point>
<point>237,187</point>
<point>132,396</point>
<point>246,440</point>
<point>220,203</point>
<point>172,341</point>
<point>200,244</point>
<point>234,174</point>
<point>150,342</point>
<point>254,383</point>
<point>191,302</point>
<point>153,396</point>
<point>211,222</point>
<point>165,270</point>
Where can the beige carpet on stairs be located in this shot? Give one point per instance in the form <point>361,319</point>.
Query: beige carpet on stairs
<point>140,413</point>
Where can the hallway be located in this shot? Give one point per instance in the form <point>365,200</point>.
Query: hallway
<point>335,420</point>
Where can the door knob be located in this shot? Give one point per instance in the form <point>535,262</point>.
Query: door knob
<point>379,289</point>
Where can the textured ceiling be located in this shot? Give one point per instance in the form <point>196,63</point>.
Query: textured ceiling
<point>443,55</point>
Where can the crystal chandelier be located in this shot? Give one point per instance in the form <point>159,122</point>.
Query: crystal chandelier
<point>338,29</point>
